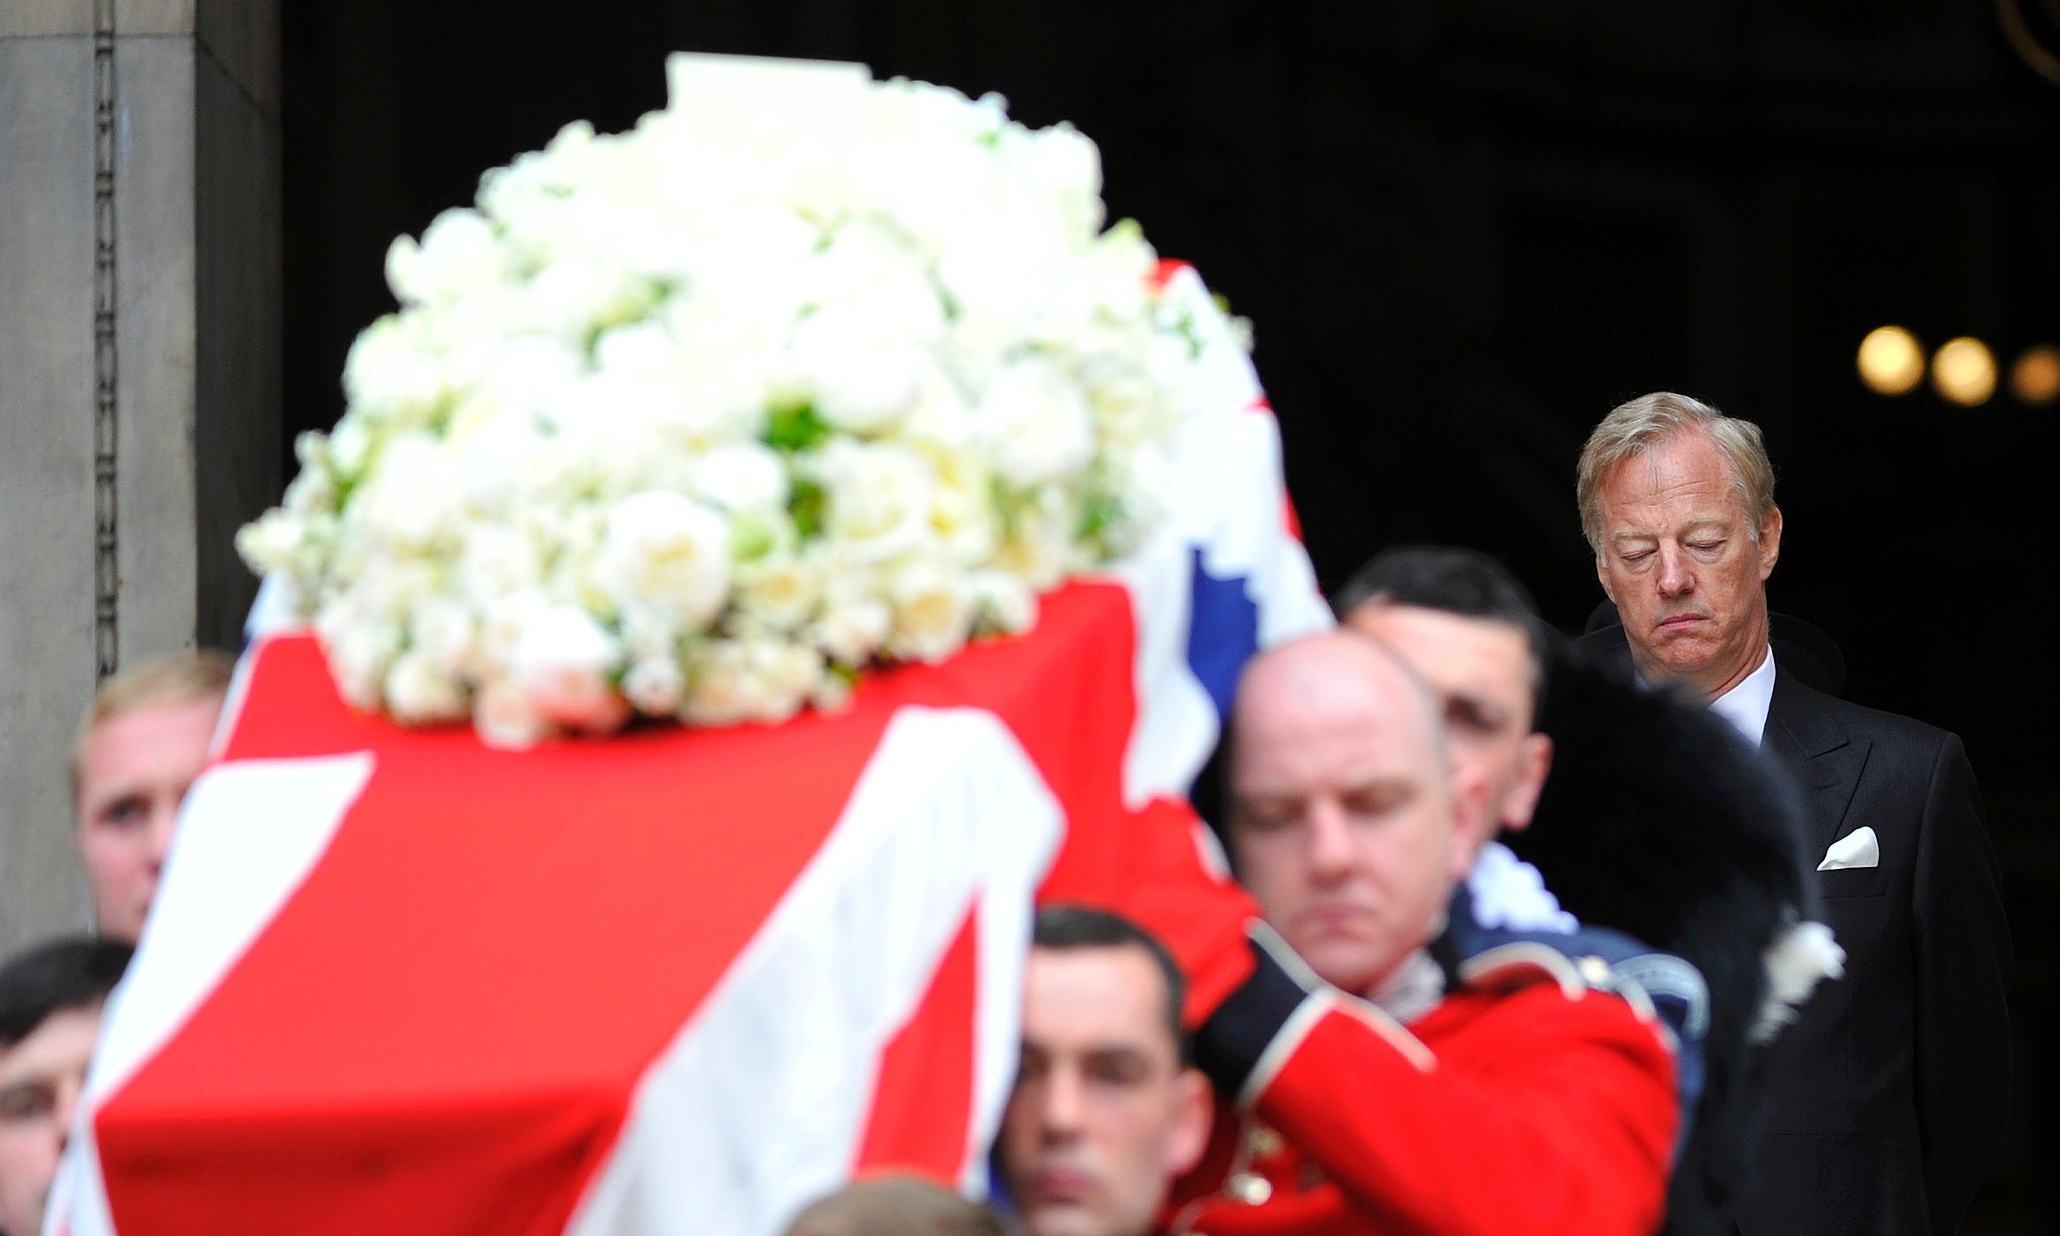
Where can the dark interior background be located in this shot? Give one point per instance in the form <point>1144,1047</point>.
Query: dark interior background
<point>1464,231</point>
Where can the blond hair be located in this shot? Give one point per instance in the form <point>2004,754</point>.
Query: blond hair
<point>187,677</point>
<point>1633,428</point>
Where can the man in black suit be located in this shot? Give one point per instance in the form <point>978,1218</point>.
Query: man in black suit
<point>1887,1098</point>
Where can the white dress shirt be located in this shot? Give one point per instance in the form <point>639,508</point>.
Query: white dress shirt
<point>1745,705</point>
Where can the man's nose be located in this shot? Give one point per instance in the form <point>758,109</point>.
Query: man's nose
<point>164,821</point>
<point>63,1110</point>
<point>1065,1104</point>
<point>1675,577</point>
<point>1330,842</point>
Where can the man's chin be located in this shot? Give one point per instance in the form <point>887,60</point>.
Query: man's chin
<point>1348,966</point>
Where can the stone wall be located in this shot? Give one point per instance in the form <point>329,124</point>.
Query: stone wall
<point>139,372</point>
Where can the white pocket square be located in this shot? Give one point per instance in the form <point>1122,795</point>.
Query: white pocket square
<point>1857,848</point>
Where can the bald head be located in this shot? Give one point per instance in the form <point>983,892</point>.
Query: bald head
<point>1344,819</point>
<point>1340,679</point>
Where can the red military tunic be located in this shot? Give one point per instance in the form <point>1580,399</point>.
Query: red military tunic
<point>1524,1104</point>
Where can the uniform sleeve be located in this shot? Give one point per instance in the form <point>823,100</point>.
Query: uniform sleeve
<point>1569,1126</point>
<point>1963,959</point>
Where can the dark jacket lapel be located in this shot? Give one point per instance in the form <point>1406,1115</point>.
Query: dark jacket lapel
<point>1803,732</point>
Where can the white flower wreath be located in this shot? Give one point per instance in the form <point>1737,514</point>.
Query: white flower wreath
<point>803,374</point>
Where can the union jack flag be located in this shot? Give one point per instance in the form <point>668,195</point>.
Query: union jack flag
<point>679,980</point>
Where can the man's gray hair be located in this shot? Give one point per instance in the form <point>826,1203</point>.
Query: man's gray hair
<point>1633,428</point>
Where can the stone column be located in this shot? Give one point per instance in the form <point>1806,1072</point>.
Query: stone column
<point>139,372</point>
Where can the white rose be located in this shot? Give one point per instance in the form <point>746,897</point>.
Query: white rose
<point>562,663</point>
<point>778,593</point>
<point>1006,604</point>
<point>523,374</point>
<point>420,691</point>
<point>1039,548</point>
<point>1063,163</point>
<point>859,381</point>
<point>742,477</point>
<point>666,550</point>
<point>312,492</point>
<point>749,680</point>
<point>933,613</point>
<point>654,686</point>
<point>497,560</point>
<point>458,253</point>
<point>412,501</point>
<point>359,648</point>
<point>1034,423</point>
<point>393,373</point>
<point>874,277</point>
<point>390,587</point>
<point>445,632</point>
<point>574,297</point>
<point>273,542</point>
<point>851,629</point>
<point>505,718</point>
<point>879,498</point>
<point>962,514</point>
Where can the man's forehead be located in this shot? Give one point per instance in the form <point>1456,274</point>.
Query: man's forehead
<point>1434,640</point>
<point>1687,470</point>
<point>1103,992</point>
<point>63,1039</point>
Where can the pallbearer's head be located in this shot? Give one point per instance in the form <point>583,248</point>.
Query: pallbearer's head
<point>1677,501</point>
<point>141,745</point>
<point>50,1003</point>
<point>895,1205</point>
<point>1471,631</point>
<point>1347,821</point>
<point>1105,1111</point>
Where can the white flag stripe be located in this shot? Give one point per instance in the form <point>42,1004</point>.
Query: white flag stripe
<point>760,1103</point>
<point>249,833</point>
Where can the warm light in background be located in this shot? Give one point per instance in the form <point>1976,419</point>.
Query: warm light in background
<point>1964,371</point>
<point>1891,361</point>
<point>2035,378</point>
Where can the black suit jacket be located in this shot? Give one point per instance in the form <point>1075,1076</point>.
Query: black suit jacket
<point>1887,1098</point>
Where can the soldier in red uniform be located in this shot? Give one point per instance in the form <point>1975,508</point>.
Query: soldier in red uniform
<point>1392,1066</point>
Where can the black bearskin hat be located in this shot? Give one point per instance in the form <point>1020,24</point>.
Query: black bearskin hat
<point>1660,822</point>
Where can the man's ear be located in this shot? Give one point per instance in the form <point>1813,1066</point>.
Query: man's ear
<point>1192,1123</point>
<point>1533,765</point>
<point>1472,819</point>
<point>1770,543</point>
